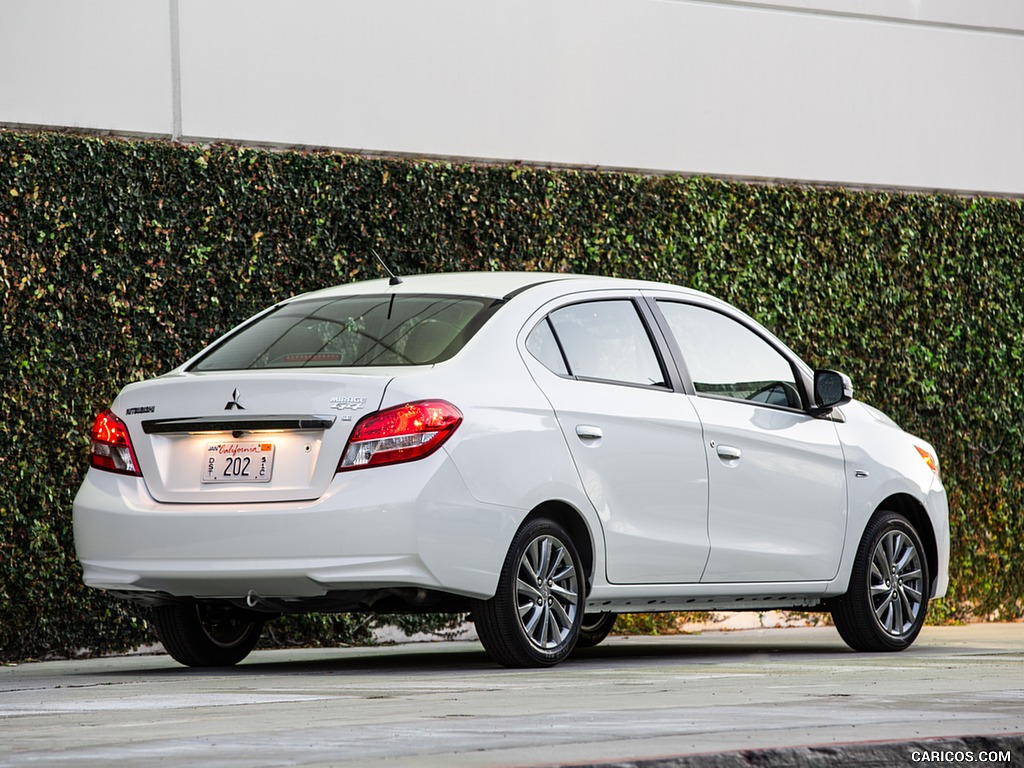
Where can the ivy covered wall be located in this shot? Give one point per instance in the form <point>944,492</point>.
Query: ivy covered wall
<point>119,259</point>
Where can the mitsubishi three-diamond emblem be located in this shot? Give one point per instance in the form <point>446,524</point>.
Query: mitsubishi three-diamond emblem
<point>233,402</point>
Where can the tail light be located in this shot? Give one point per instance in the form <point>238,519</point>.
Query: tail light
<point>403,433</point>
<point>111,447</point>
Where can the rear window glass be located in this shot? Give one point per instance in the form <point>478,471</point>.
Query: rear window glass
<point>353,331</point>
<point>606,341</point>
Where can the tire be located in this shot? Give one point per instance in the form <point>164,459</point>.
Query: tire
<point>885,605</point>
<point>199,635</point>
<point>534,618</point>
<point>595,628</point>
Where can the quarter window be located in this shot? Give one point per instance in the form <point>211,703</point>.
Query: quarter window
<point>727,359</point>
<point>603,340</point>
<point>541,344</point>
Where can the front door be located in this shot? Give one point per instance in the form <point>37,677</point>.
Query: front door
<point>777,498</point>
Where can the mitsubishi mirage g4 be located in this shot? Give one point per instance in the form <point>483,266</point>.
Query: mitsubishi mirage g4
<point>540,451</point>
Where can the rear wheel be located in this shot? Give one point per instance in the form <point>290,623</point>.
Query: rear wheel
<point>885,605</point>
<point>199,635</point>
<point>595,628</point>
<point>534,618</point>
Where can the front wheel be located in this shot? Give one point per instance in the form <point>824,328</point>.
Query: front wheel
<point>199,635</point>
<point>885,605</point>
<point>595,628</point>
<point>534,618</point>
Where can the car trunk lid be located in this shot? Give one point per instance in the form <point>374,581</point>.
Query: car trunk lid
<point>263,437</point>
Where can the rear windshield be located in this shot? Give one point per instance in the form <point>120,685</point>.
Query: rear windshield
<point>353,331</point>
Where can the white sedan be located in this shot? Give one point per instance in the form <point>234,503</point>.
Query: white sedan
<point>542,451</point>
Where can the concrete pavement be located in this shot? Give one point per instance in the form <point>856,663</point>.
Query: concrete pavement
<point>758,697</point>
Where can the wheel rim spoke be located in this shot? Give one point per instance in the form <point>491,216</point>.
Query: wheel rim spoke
<point>544,558</point>
<point>528,566</point>
<point>879,590</point>
<point>915,573</point>
<point>530,614</point>
<point>561,608</point>
<point>563,595</point>
<point>883,611</point>
<point>906,560</point>
<point>896,625</point>
<point>913,594</point>
<point>906,604</point>
<point>528,590</point>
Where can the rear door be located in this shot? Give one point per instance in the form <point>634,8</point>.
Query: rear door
<point>635,440</point>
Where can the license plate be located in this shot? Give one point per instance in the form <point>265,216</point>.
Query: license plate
<point>238,463</point>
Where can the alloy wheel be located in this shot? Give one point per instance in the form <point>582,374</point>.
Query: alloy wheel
<point>547,590</point>
<point>896,583</point>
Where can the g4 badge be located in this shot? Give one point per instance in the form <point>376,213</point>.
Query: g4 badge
<point>348,403</point>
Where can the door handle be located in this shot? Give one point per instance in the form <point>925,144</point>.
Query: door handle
<point>586,432</point>
<point>728,452</point>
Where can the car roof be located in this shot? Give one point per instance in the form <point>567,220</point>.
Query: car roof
<point>497,285</point>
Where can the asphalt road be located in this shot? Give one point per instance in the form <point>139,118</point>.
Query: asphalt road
<point>759,697</point>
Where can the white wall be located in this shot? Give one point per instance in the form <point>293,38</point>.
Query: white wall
<point>896,93</point>
<point>98,64</point>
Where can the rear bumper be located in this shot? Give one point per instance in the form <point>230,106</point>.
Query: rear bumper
<point>411,525</point>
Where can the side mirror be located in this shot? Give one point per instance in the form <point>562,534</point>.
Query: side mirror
<point>831,389</point>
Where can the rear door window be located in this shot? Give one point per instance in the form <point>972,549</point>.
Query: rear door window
<point>598,340</point>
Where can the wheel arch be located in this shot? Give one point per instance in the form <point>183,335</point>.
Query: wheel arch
<point>570,518</point>
<point>915,512</point>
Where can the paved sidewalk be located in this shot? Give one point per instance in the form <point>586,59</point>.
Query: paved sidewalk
<point>774,697</point>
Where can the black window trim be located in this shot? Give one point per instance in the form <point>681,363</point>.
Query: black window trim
<point>558,343</point>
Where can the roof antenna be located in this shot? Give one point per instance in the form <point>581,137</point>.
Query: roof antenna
<point>395,280</point>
